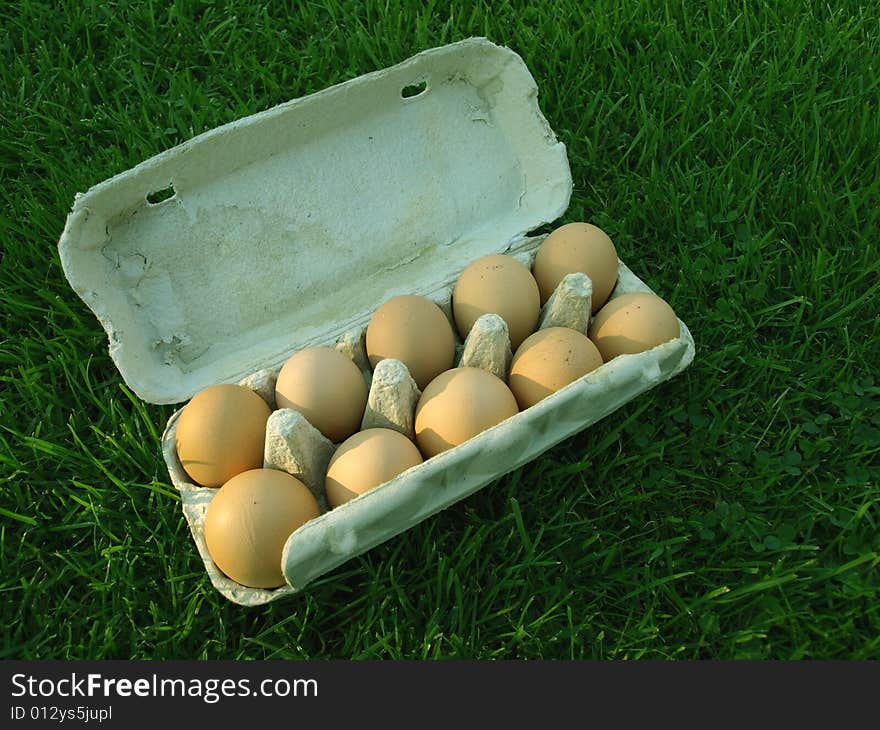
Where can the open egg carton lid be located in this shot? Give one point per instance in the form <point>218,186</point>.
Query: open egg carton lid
<point>229,252</point>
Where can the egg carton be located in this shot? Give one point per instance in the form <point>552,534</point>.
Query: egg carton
<point>368,520</point>
<point>216,260</point>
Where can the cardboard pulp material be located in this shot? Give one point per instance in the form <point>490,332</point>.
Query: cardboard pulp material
<point>288,228</point>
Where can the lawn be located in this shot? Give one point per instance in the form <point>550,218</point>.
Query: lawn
<point>731,150</point>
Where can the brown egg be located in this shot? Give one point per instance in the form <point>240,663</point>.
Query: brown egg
<point>632,323</point>
<point>220,433</point>
<point>415,331</point>
<point>366,460</point>
<point>500,285</point>
<point>573,248</point>
<point>549,360</point>
<point>327,388</point>
<point>458,405</point>
<point>250,519</point>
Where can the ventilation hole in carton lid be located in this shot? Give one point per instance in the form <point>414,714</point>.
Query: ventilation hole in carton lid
<point>160,196</point>
<point>407,92</point>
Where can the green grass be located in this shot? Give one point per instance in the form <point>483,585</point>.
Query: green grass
<point>731,151</point>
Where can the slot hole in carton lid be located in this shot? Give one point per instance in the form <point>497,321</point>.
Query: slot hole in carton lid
<point>160,196</point>
<point>411,90</point>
